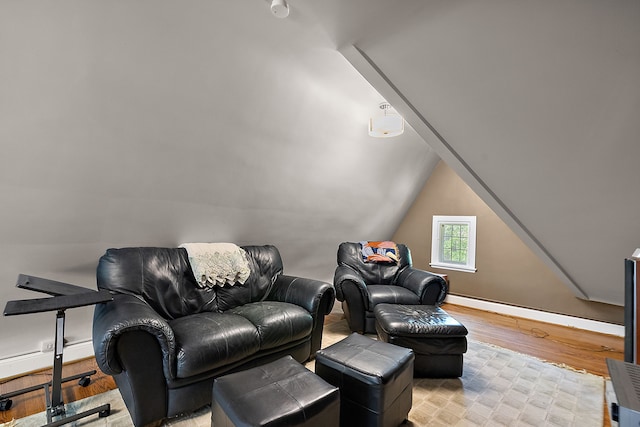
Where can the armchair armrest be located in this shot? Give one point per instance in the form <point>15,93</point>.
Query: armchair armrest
<point>431,288</point>
<point>315,296</point>
<point>344,273</point>
<point>127,313</point>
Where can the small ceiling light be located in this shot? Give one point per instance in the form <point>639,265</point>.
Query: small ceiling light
<point>280,8</point>
<point>387,125</point>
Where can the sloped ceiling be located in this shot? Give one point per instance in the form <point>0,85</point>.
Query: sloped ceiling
<point>535,105</point>
<point>157,122</point>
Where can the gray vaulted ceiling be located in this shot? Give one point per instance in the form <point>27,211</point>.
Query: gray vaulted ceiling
<point>536,105</point>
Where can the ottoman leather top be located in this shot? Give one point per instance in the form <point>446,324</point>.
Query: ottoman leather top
<point>280,393</point>
<point>417,321</point>
<point>368,360</point>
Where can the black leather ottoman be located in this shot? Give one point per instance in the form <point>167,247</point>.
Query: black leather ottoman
<point>375,380</point>
<point>438,340</point>
<point>278,394</point>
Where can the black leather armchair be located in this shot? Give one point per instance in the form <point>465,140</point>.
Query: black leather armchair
<point>361,285</point>
<point>164,339</point>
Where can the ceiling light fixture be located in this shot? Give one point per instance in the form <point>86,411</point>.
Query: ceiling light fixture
<point>389,124</point>
<point>280,8</point>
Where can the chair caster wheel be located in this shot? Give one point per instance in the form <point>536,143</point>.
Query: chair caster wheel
<point>84,381</point>
<point>5,404</point>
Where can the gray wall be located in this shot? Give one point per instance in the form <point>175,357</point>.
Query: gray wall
<point>508,272</point>
<point>157,122</point>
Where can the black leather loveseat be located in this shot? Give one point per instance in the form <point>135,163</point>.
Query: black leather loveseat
<point>164,339</point>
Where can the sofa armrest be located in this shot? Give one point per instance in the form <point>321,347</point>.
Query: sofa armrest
<point>431,288</point>
<point>315,296</point>
<point>127,313</point>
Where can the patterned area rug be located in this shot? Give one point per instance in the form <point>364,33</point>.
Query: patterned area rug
<point>499,387</point>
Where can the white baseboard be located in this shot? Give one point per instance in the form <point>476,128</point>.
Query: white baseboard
<point>541,316</point>
<point>19,365</point>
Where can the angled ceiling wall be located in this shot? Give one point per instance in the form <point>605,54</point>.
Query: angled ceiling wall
<point>535,105</point>
<point>153,122</point>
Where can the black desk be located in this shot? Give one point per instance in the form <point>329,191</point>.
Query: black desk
<point>63,296</point>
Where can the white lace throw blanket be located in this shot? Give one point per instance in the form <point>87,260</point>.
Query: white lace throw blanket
<point>217,264</point>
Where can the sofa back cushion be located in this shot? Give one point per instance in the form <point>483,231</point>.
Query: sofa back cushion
<point>160,276</point>
<point>373,273</point>
<point>266,264</point>
<point>164,279</point>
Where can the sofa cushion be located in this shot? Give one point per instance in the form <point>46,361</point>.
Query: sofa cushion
<point>278,323</point>
<point>206,341</point>
<point>265,264</point>
<point>161,276</point>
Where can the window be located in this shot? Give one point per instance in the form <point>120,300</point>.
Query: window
<point>453,243</point>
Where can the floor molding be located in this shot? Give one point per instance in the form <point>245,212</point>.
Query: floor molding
<point>30,362</point>
<point>541,316</point>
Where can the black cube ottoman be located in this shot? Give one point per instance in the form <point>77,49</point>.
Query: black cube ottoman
<point>280,393</point>
<point>437,339</point>
<point>375,380</point>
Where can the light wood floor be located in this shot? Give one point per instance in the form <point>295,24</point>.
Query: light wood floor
<point>576,348</point>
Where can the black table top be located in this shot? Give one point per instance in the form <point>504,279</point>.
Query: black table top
<point>64,295</point>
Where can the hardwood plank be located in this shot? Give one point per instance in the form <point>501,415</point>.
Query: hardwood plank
<point>34,402</point>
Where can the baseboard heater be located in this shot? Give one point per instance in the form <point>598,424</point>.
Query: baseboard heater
<point>625,378</point>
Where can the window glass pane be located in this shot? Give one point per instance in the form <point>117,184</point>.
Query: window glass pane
<point>454,243</point>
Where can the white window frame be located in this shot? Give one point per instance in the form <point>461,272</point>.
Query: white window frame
<point>436,262</point>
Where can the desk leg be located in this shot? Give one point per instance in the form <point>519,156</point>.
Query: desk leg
<point>55,405</point>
